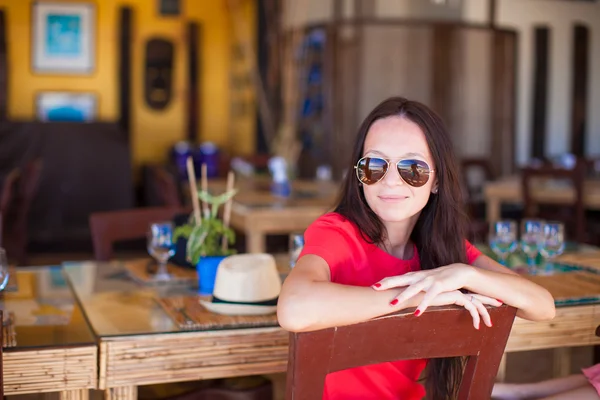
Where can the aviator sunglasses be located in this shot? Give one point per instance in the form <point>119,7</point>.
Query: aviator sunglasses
<point>370,170</point>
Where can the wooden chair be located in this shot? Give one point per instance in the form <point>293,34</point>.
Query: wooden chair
<point>474,197</point>
<point>166,187</point>
<point>439,332</point>
<point>572,214</point>
<point>27,190</point>
<point>8,189</point>
<point>111,227</point>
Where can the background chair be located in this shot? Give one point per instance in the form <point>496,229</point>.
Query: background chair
<point>473,188</point>
<point>572,214</point>
<point>313,355</point>
<point>111,227</point>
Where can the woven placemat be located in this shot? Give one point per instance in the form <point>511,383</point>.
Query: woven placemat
<point>9,336</point>
<point>189,314</point>
<point>143,270</point>
<point>589,260</point>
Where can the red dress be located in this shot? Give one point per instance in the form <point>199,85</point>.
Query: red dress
<point>354,261</point>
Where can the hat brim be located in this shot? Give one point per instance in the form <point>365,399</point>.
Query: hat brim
<point>237,309</point>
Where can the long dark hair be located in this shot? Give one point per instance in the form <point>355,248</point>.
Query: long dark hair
<point>440,230</point>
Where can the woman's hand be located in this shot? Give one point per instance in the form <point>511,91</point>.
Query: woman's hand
<point>474,303</point>
<point>432,282</point>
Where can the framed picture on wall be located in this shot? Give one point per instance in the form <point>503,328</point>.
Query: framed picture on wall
<point>66,107</point>
<point>63,38</point>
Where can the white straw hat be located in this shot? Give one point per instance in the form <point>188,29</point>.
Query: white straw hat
<point>246,284</point>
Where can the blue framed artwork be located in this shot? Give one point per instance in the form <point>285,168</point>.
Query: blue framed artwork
<point>66,107</point>
<point>63,38</point>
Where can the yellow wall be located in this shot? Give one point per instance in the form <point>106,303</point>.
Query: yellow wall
<point>152,132</point>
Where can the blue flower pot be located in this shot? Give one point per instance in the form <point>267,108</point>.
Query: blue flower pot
<point>207,272</point>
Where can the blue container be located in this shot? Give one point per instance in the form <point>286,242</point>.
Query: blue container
<point>209,155</point>
<point>179,154</point>
<point>207,272</point>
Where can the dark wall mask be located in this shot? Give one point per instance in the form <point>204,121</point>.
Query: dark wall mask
<point>158,79</point>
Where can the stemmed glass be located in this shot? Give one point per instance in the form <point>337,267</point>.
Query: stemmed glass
<point>4,271</point>
<point>503,239</point>
<point>161,248</point>
<point>531,238</point>
<point>553,239</point>
<point>296,246</point>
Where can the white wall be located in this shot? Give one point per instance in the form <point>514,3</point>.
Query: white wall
<point>560,16</point>
<point>522,16</point>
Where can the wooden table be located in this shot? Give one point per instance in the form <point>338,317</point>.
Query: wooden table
<point>508,190</point>
<point>55,349</point>
<point>140,345</point>
<point>257,213</point>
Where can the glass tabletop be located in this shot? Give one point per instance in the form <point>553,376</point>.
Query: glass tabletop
<point>45,312</point>
<point>116,305</point>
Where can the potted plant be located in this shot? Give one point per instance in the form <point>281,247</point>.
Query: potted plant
<point>208,236</point>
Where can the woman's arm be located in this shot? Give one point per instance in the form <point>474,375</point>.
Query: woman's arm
<point>492,279</point>
<point>309,301</point>
<point>486,277</point>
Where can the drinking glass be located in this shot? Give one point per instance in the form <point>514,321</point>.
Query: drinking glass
<point>4,271</point>
<point>503,238</point>
<point>296,245</point>
<point>531,238</point>
<point>553,239</point>
<point>161,247</point>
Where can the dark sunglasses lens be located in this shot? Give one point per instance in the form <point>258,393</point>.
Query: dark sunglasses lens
<point>414,172</point>
<point>371,170</point>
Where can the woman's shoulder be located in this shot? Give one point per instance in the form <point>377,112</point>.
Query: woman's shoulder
<point>334,223</point>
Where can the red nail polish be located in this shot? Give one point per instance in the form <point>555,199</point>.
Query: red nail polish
<point>394,302</point>
<point>477,327</point>
<point>499,301</point>
<point>377,285</point>
<point>417,313</point>
<point>491,324</point>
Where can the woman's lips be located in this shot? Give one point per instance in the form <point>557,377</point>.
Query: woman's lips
<point>392,198</point>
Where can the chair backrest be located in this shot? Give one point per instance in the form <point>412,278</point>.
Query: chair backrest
<point>111,227</point>
<point>576,177</point>
<point>439,332</point>
<point>481,164</point>
<point>8,190</point>
<point>166,186</point>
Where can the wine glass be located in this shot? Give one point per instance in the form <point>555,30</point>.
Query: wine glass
<point>4,271</point>
<point>553,239</point>
<point>503,238</point>
<point>531,238</point>
<point>296,245</point>
<point>161,247</point>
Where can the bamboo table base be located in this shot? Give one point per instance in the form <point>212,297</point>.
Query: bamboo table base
<point>69,371</point>
<point>128,362</point>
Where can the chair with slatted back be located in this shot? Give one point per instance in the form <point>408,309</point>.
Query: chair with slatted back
<point>8,190</point>
<point>111,227</point>
<point>166,186</point>
<point>474,195</point>
<point>439,332</point>
<point>27,190</point>
<point>573,213</point>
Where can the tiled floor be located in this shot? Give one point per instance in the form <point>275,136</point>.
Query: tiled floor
<point>522,367</point>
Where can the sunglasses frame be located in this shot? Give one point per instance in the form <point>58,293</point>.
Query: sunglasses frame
<point>389,161</point>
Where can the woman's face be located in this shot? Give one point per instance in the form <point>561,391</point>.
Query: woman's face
<point>392,199</point>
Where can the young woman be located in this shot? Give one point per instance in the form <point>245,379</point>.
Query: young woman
<point>397,240</point>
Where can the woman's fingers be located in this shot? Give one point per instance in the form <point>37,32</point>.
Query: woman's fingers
<point>407,279</point>
<point>473,310</point>
<point>487,300</point>
<point>485,315</point>
<point>409,292</point>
